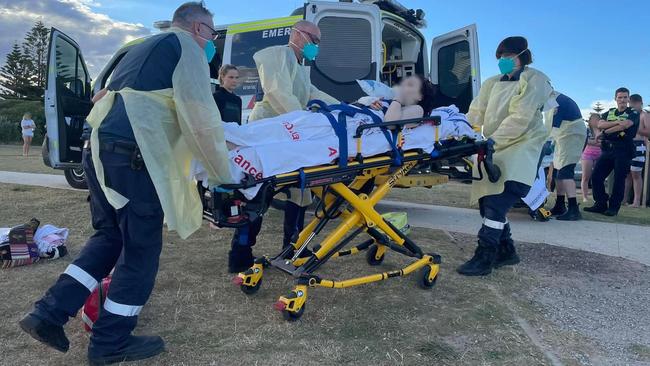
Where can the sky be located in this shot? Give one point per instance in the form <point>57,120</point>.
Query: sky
<point>587,48</point>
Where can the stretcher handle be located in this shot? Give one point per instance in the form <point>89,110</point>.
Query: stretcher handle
<point>435,120</point>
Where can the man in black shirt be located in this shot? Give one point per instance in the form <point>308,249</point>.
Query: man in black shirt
<point>619,126</point>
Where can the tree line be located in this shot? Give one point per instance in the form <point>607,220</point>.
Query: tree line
<point>23,74</point>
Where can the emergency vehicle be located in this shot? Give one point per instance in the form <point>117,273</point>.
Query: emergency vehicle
<point>366,40</point>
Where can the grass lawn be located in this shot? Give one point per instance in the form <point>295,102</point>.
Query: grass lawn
<point>457,195</point>
<point>507,318</point>
<point>12,159</point>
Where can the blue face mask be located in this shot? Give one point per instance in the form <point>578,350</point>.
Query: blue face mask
<point>310,51</point>
<point>210,50</point>
<point>507,64</point>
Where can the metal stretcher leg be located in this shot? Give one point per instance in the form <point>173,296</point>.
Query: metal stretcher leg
<point>356,213</point>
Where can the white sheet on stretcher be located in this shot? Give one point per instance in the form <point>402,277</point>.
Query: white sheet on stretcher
<point>305,139</point>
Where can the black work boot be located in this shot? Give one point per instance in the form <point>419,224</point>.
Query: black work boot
<point>136,348</point>
<point>560,207</point>
<point>572,214</point>
<point>481,263</point>
<point>598,207</point>
<point>45,332</point>
<point>240,258</point>
<point>506,252</point>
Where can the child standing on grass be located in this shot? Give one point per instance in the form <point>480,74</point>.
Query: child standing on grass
<point>28,126</point>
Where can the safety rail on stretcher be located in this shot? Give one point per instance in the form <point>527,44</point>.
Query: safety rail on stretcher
<point>347,195</point>
<point>226,207</point>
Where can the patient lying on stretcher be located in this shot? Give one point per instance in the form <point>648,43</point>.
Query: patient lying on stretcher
<point>303,138</point>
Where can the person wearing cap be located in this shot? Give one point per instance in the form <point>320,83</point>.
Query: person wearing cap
<point>509,111</point>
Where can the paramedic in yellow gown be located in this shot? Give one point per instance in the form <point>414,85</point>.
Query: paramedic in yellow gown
<point>509,110</point>
<point>287,87</point>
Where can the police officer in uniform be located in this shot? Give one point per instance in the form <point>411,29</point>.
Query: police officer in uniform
<point>156,114</point>
<point>619,126</point>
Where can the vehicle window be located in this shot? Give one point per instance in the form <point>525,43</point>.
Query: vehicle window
<point>70,68</point>
<point>217,61</point>
<point>346,48</point>
<point>455,70</point>
<point>244,46</point>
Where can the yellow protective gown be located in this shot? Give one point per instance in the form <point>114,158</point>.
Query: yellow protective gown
<point>286,83</point>
<point>172,126</point>
<point>569,140</point>
<point>510,113</point>
<point>287,88</point>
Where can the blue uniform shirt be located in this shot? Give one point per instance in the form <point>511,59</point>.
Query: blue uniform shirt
<point>567,110</point>
<point>147,66</point>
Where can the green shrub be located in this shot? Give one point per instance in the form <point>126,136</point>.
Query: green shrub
<point>11,113</point>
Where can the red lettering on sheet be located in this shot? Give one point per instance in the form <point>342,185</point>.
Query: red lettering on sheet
<point>247,166</point>
<point>332,151</point>
<point>289,127</point>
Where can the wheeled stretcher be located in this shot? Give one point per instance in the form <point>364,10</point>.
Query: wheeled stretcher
<point>346,197</point>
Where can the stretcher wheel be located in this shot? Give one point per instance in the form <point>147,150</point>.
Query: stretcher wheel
<point>370,256</point>
<point>250,290</point>
<point>423,278</point>
<point>293,316</point>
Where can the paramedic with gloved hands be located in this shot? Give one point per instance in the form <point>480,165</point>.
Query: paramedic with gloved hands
<point>619,127</point>
<point>569,133</point>
<point>509,110</point>
<point>157,114</point>
<point>287,87</point>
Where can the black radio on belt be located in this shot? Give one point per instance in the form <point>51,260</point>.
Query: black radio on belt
<point>137,162</point>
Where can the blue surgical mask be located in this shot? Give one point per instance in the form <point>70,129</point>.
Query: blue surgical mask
<point>507,64</point>
<point>310,51</point>
<point>210,50</point>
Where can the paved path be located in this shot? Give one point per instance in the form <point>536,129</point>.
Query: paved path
<point>34,179</point>
<point>619,240</point>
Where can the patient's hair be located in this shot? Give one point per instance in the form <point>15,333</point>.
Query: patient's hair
<point>428,92</point>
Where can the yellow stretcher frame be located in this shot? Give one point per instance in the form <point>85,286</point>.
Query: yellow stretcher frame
<point>360,216</point>
<point>348,192</point>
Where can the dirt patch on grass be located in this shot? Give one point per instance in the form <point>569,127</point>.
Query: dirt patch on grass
<point>462,321</point>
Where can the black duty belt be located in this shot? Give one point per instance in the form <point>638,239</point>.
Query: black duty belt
<point>125,148</point>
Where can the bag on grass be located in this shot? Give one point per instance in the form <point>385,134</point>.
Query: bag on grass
<point>17,247</point>
<point>399,220</point>
<point>94,304</point>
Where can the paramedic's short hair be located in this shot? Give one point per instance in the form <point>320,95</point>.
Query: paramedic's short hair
<point>223,71</point>
<point>189,12</point>
<point>636,98</point>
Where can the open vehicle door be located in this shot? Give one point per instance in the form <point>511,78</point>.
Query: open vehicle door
<point>349,49</point>
<point>67,101</point>
<point>455,67</point>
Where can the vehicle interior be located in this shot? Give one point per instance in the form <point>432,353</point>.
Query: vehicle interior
<point>72,98</point>
<point>401,52</point>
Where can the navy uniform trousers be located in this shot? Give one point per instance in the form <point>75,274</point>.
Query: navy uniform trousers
<point>128,239</point>
<point>617,157</point>
<point>494,209</point>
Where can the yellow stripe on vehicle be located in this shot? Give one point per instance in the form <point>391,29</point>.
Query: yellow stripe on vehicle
<point>264,24</point>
